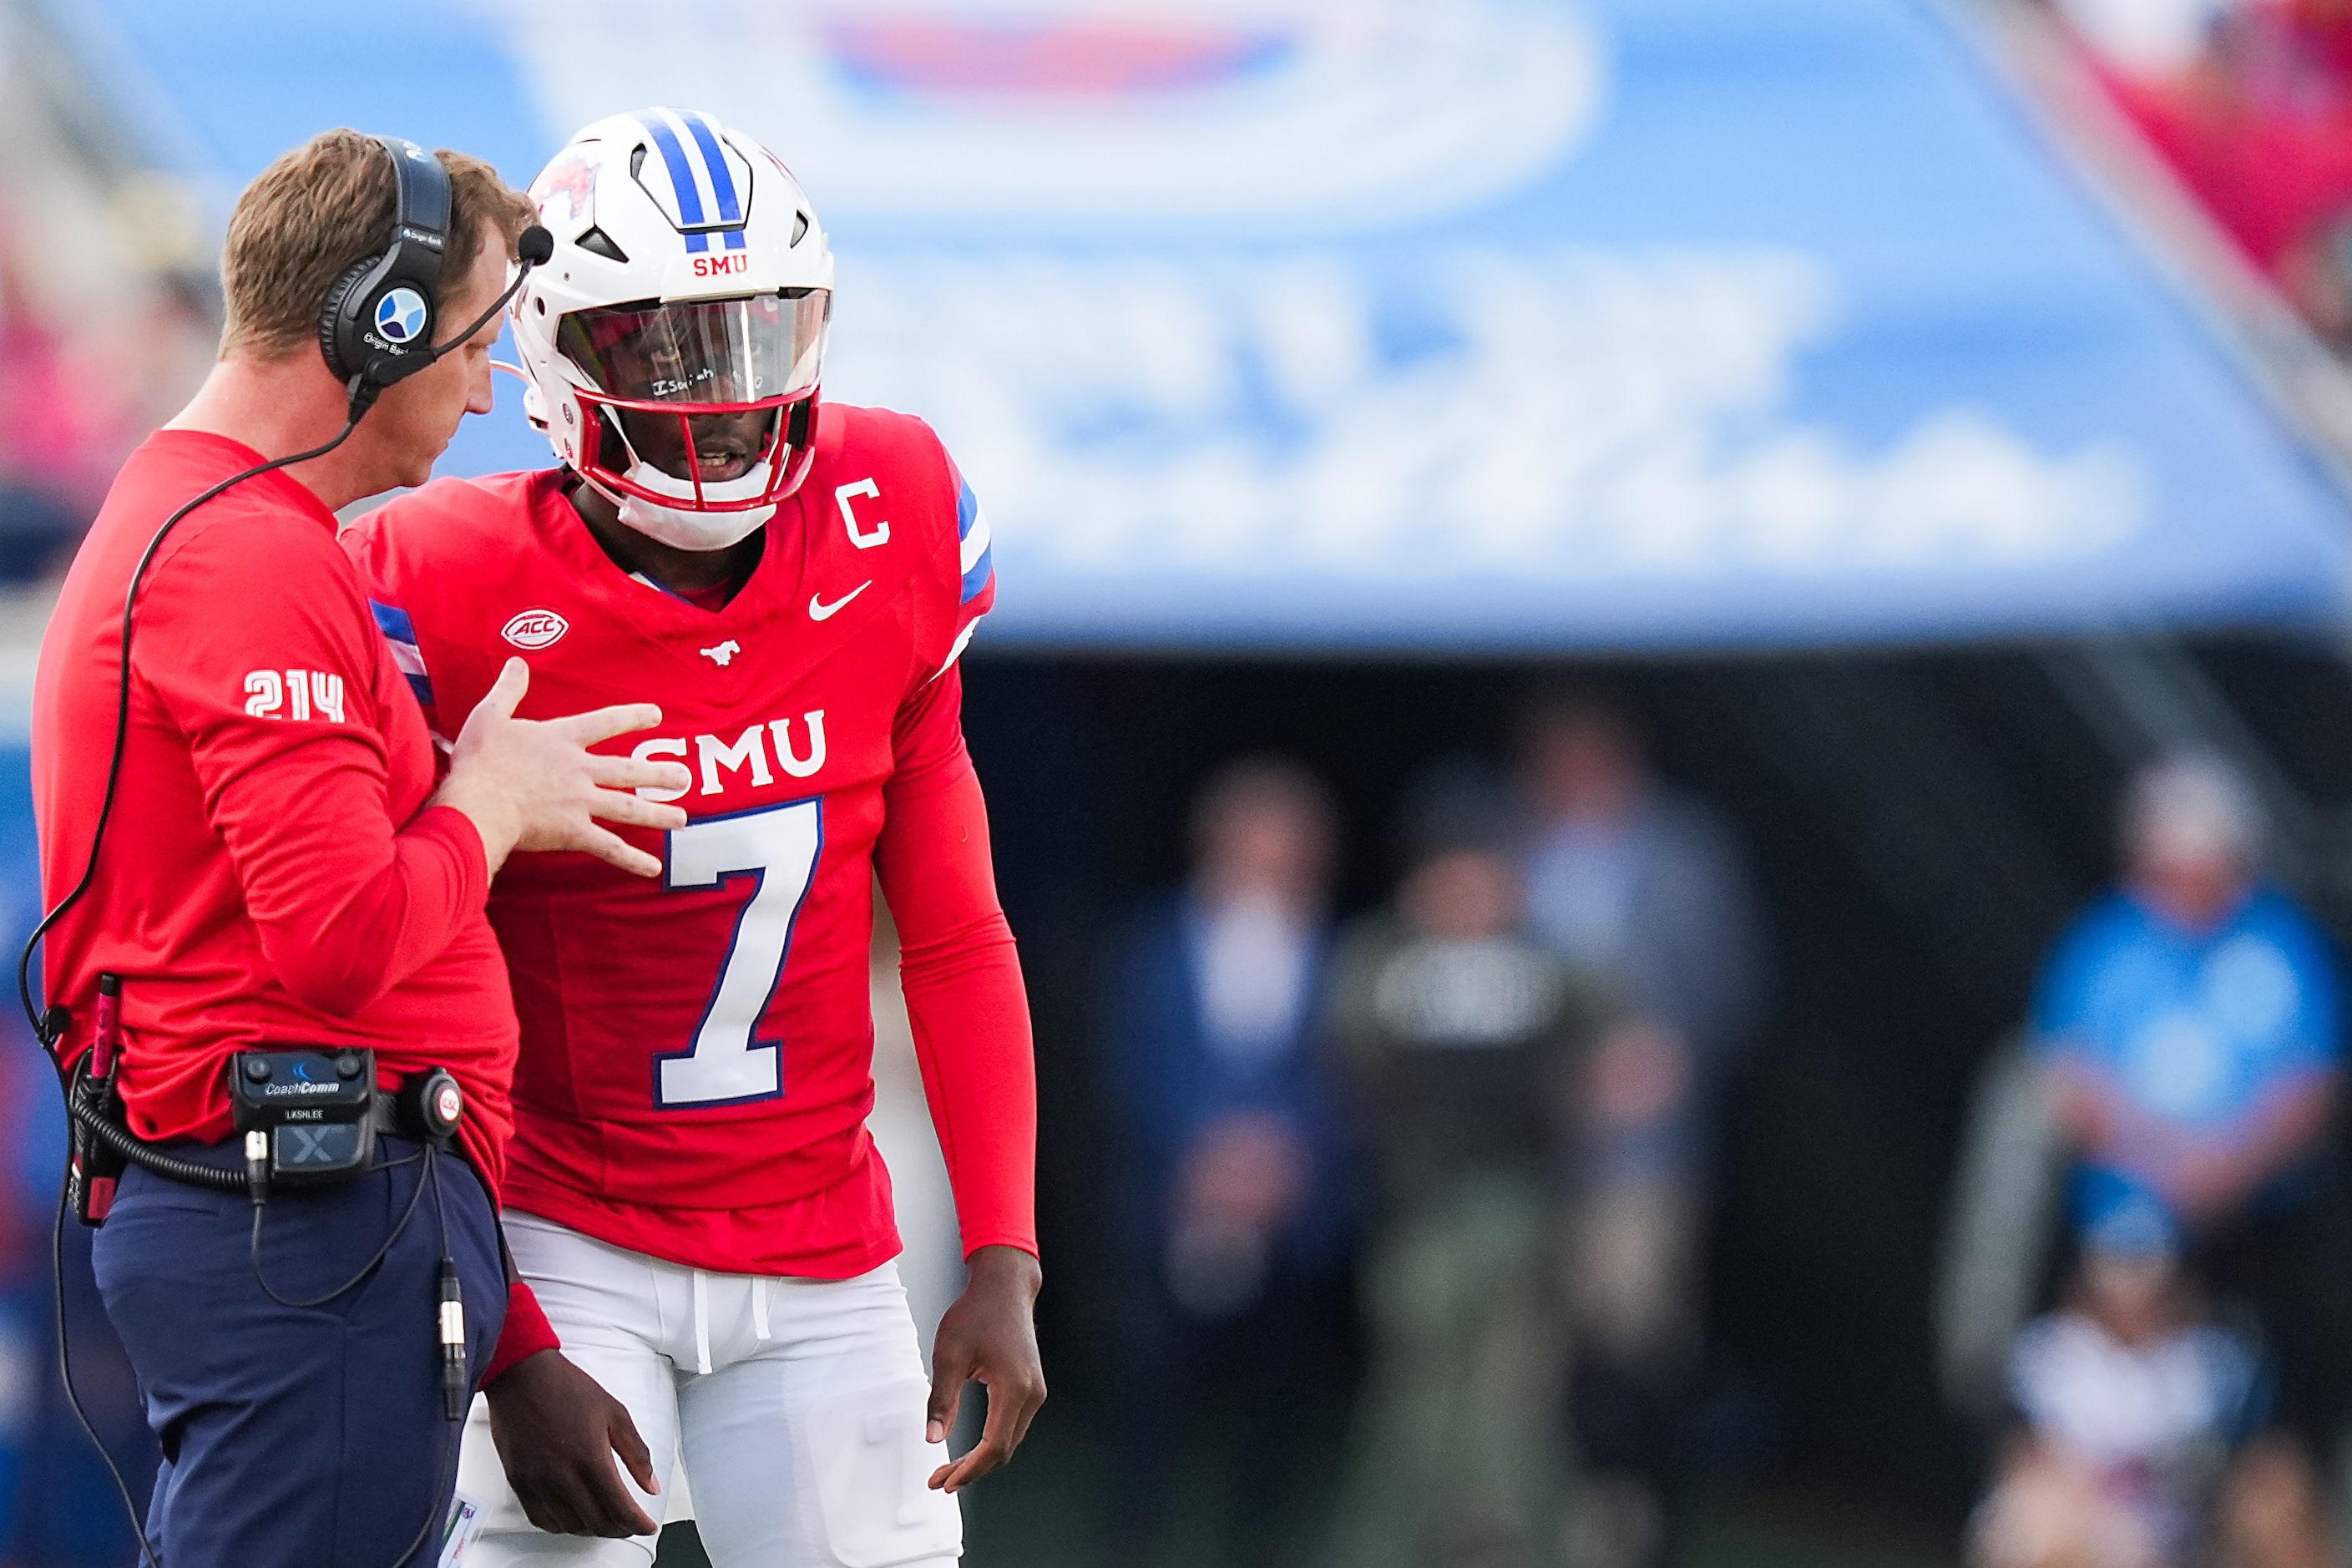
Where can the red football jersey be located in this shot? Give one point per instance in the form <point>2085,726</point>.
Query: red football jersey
<point>697,1047</point>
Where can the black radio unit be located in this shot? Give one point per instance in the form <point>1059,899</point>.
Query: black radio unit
<point>315,1108</point>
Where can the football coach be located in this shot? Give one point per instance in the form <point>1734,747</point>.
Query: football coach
<point>270,979</point>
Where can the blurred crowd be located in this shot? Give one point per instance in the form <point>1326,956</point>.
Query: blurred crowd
<point>2250,103</point>
<point>77,393</point>
<point>1487,1107</point>
<point>2159,1157</point>
<point>1486,1113</point>
<point>56,456</point>
<point>109,314</point>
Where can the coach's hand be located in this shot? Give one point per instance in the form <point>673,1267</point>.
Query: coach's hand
<point>990,1336</point>
<point>557,1432</point>
<point>531,785</point>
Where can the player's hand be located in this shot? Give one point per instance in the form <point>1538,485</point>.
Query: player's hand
<point>990,1336</point>
<point>557,1433</point>
<point>532,785</point>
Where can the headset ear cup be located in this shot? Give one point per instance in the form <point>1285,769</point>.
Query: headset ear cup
<point>336,330</point>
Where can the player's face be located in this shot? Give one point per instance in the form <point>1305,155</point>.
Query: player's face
<point>726,446</point>
<point>702,366</point>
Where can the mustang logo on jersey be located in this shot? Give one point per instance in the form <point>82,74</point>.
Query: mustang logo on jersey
<point>719,762</point>
<point>719,653</point>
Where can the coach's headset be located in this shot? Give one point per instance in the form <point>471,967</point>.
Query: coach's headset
<point>376,328</point>
<point>377,325</point>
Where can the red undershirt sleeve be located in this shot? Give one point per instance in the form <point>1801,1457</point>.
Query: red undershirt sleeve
<point>961,972</point>
<point>523,1335</point>
<point>278,703</point>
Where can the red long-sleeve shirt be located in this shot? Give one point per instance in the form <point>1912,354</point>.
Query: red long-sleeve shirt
<point>271,874</point>
<point>960,973</point>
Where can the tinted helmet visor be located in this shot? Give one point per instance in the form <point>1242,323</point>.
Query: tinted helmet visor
<point>708,353</point>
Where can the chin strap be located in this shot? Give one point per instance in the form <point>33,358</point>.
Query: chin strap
<point>690,530</point>
<point>682,527</point>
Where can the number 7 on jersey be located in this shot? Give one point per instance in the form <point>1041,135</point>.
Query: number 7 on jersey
<point>777,845</point>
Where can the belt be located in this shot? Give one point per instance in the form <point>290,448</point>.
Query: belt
<point>299,1129</point>
<point>386,1115</point>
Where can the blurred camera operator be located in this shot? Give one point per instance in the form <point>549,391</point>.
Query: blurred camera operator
<point>279,870</point>
<point>1460,1035</point>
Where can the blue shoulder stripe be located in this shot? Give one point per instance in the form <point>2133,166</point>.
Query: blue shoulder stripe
<point>975,546</point>
<point>982,570</point>
<point>967,508</point>
<point>394,623</point>
<point>401,633</point>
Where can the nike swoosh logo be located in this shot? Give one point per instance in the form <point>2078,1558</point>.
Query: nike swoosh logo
<point>819,610</point>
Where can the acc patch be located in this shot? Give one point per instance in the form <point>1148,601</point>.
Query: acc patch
<point>534,628</point>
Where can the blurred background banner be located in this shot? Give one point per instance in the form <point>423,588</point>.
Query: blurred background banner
<point>1501,324</point>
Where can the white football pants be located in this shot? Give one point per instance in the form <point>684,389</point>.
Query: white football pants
<point>797,1406</point>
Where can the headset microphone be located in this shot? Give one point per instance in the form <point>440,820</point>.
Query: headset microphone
<point>533,246</point>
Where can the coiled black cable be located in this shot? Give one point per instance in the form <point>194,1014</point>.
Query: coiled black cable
<point>120,1138</point>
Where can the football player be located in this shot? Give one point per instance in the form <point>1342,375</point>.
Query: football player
<point>694,1196</point>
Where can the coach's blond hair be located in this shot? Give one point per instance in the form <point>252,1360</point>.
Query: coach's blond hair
<point>321,209</point>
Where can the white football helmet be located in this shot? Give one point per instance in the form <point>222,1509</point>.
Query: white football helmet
<point>690,277</point>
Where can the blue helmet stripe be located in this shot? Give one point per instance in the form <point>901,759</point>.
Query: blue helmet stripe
<point>722,181</point>
<point>681,178</point>
<point>722,178</point>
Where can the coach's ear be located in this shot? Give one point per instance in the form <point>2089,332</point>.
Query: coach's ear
<point>557,1433</point>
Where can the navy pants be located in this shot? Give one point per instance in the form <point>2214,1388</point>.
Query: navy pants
<point>299,1437</point>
